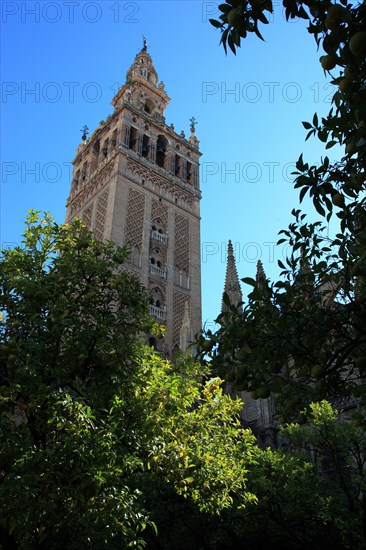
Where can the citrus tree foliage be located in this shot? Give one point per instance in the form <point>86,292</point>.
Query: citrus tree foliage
<point>297,506</point>
<point>303,337</point>
<point>339,449</point>
<point>91,419</point>
<point>310,493</point>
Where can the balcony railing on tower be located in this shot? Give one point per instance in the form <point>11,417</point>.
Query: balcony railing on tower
<point>159,271</point>
<point>160,237</point>
<point>158,312</point>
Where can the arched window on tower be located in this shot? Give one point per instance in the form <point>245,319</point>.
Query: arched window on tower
<point>158,232</point>
<point>114,138</point>
<point>182,278</point>
<point>145,146</point>
<point>195,177</point>
<point>95,156</point>
<point>157,296</point>
<point>84,172</point>
<point>189,173</point>
<point>161,148</point>
<point>75,181</point>
<point>157,304</point>
<point>105,148</point>
<point>133,138</point>
<point>149,106</point>
<point>178,165</point>
<point>157,263</point>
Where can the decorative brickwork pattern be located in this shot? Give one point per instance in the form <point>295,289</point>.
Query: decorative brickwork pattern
<point>135,218</point>
<point>181,243</point>
<point>160,211</point>
<point>178,191</point>
<point>179,300</point>
<point>101,216</point>
<point>87,216</point>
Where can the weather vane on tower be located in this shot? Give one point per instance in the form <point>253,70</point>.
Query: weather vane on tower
<point>85,131</point>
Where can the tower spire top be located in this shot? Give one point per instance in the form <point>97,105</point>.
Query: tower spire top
<point>232,284</point>
<point>143,67</point>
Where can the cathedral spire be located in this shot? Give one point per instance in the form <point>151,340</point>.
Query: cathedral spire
<point>305,268</point>
<point>260,272</point>
<point>232,285</point>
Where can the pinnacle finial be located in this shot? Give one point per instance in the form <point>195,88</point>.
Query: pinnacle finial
<point>85,131</point>
<point>260,271</point>
<point>232,284</point>
<point>304,263</point>
<point>193,122</point>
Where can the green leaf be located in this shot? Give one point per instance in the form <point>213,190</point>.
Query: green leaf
<point>303,192</point>
<point>262,18</point>
<point>319,207</point>
<point>225,8</point>
<point>216,24</point>
<point>249,281</point>
<point>230,41</point>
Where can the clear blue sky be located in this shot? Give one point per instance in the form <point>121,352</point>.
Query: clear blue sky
<point>61,63</point>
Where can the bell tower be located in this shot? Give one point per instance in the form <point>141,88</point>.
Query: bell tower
<point>136,182</point>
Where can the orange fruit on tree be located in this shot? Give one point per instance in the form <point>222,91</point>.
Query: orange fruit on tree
<point>328,62</point>
<point>357,44</point>
<point>338,200</point>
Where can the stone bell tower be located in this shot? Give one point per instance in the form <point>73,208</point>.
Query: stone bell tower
<point>136,182</point>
